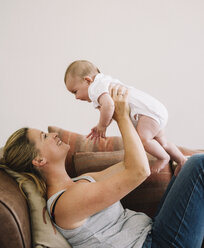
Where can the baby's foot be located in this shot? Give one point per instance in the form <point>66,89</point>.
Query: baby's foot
<point>157,165</point>
<point>178,166</point>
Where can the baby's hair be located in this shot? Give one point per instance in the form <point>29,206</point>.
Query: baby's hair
<point>81,68</point>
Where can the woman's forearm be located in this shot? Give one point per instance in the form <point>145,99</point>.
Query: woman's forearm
<point>135,158</point>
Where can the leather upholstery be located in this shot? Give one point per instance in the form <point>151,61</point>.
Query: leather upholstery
<point>14,216</point>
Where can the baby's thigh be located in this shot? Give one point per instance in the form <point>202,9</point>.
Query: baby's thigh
<point>147,127</point>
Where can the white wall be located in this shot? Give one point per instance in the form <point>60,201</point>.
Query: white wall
<point>154,45</point>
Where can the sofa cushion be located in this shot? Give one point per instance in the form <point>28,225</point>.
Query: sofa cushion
<point>95,161</point>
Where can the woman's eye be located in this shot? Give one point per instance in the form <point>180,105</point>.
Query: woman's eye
<point>45,136</point>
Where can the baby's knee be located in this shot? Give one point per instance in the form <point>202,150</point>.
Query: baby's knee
<point>166,157</point>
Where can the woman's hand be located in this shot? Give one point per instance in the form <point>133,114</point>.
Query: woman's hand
<point>119,95</point>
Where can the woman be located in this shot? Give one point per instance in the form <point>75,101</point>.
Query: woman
<point>87,211</point>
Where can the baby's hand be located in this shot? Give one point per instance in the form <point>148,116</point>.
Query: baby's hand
<point>97,132</point>
<point>101,131</point>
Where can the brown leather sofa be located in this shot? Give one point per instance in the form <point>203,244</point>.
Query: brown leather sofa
<point>15,228</point>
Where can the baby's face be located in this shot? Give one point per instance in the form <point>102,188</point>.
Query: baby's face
<point>78,87</point>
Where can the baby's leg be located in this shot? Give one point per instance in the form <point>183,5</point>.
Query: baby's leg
<point>170,148</point>
<point>148,129</point>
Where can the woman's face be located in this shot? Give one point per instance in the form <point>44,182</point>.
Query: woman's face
<point>49,144</point>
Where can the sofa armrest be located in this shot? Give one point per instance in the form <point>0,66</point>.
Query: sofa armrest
<point>15,221</point>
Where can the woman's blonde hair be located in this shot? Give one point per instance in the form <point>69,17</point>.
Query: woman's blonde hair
<point>18,154</point>
<point>81,68</point>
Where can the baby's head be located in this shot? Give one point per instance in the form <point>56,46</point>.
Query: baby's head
<point>78,76</point>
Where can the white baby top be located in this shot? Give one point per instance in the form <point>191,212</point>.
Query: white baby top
<point>139,101</point>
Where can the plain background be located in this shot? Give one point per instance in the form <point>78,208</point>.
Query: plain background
<point>154,45</point>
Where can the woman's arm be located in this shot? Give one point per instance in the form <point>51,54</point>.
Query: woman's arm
<point>84,199</point>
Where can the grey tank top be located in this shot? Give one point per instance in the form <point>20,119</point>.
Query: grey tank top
<point>113,227</point>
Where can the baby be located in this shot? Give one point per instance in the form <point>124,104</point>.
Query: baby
<point>148,115</point>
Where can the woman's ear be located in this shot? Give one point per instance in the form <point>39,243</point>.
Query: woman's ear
<point>38,161</point>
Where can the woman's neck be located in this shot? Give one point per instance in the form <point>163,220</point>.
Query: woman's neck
<point>57,179</point>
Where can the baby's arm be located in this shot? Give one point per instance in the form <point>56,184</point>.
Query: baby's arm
<point>106,114</point>
<point>106,110</point>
